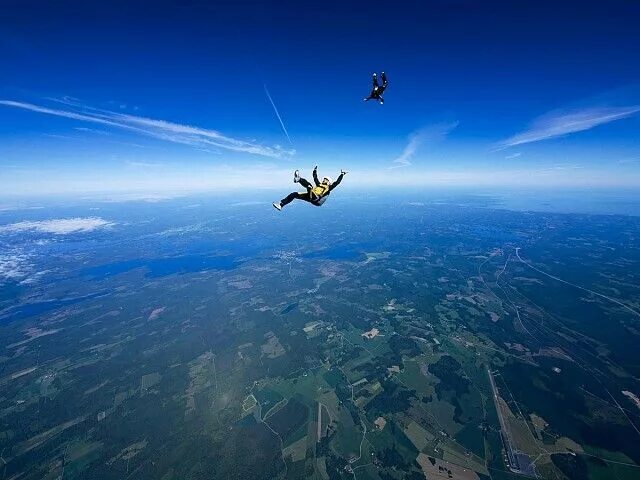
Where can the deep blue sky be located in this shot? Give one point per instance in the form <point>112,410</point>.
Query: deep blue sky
<point>469,79</point>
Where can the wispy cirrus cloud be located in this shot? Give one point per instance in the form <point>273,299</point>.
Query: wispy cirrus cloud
<point>560,167</point>
<point>196,137</point>
<point>624,161</point>
<point>91,130</point>
<point>143,164</point>
<point>59,137</point>
<point>431,133</point>
<point>559,123</point>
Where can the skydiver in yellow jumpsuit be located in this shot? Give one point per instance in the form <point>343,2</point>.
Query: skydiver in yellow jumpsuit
<point>315,195</point>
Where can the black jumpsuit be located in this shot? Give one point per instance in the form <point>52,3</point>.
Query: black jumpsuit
<point>378,90</point>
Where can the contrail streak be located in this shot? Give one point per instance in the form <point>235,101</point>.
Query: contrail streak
<point>275,109</point>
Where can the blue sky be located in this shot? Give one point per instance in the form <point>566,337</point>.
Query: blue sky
<point>124,96</point>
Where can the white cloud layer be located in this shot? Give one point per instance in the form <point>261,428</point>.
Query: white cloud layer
<point>64,226</point>
<point>161,129</point>
<point>14,266</point>
<point>562,175</point>
<point>216,180</point>
<point>559,123</point>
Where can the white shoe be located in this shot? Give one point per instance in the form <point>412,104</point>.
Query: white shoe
<point>296,176</point>
<point>277,205</point>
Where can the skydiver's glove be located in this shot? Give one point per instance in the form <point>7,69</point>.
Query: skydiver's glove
<point>315,168</point>
<point>343,172</point>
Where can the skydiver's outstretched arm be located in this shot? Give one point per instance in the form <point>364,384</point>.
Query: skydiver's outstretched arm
<point>315,176</point>
<point>375,80</point>
<point>337,182</point>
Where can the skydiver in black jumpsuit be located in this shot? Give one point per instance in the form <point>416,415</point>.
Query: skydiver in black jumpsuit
<point>378,90</point>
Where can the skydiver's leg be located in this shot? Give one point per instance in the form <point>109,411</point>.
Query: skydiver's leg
<point>305,183</point>
<point>295,196</point>
<point>385,83</point>
<point>290,198</point>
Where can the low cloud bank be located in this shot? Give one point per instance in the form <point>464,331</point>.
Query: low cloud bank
<point>64,226</point>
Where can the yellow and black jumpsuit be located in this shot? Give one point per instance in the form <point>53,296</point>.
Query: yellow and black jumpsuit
<point>316,195</point>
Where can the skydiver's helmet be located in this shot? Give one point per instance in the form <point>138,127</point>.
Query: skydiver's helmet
<point>327,180</point>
